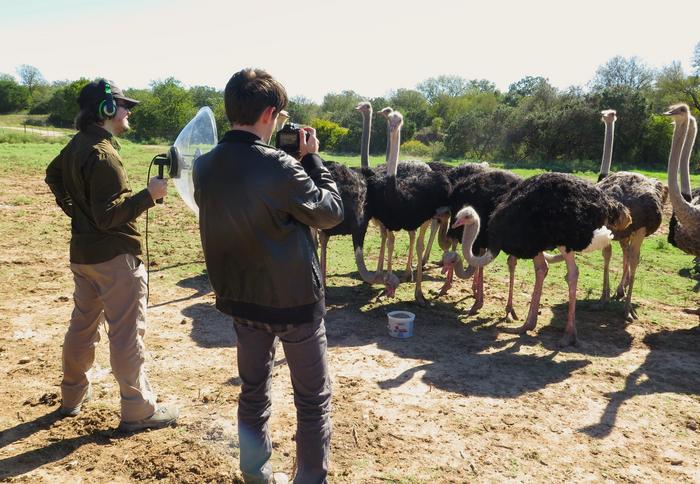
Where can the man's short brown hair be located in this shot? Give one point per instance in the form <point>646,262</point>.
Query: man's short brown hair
<point>249,92</point>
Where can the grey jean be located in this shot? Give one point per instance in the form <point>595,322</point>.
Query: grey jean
<point>305,350</point>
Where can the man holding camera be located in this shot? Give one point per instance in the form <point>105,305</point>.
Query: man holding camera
<point>256,204</point>
<point>91,186</point>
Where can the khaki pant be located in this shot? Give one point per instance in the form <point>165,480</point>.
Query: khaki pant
<point>114,291</point>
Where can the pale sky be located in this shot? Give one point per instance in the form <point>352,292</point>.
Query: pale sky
<point>316,47</point>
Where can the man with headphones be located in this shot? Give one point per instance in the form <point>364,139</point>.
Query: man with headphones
<point>92,188</point>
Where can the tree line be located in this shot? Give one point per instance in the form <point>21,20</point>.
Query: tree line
<point>444,117</point>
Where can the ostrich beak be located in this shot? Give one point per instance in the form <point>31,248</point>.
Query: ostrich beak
<point>458,223</point>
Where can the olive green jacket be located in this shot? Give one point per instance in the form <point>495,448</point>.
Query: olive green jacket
<point>90,185</point>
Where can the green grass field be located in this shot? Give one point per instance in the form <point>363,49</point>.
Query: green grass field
<point>665,277</point>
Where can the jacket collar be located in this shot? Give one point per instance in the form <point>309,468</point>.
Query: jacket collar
<point>238,136</point>
<point>98,133</point>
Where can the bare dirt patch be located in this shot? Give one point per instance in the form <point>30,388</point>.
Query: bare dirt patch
<point>461,401</point>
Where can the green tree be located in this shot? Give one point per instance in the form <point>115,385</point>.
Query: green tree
<point>451,86</point>
<point>621,71</point>
<point>162,115</point>
<point>13,96</point>
<point>205,96</point>
<point>30,77</point>
<point>302,110</point>
<point>63,105</point>
<point>672,86</point>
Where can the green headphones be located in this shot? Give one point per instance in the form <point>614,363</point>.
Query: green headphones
<point>108,106</point>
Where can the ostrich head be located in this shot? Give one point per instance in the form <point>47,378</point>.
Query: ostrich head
<point>466,216</point>
<point>679,112</point>
<point>395,121</point>
<point>608,116</point>
<point>364,107</point>
<point>442,214</point>
<point>391,282</point>
<point>619,216</point>
<point>449,259</point>
<point>385,112</point>
<point>281,120</point>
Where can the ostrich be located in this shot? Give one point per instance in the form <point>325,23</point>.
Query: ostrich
<point>405,201</point>
<point>644,198</point>
<point>482,191</point>
<point>405,169</point>
<point>547,211</point>
<point>352,186</point>
<point>687,231</point>
<point>684,168</point>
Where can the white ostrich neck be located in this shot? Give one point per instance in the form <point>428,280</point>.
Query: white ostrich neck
<point>468,238</point>
<point>461,273</point>
<point>443,241</point>
<point>607,148</point>
<point>366,275</point>
<point>392,164</point>
<point>685,213</point>
<point>685,156</point>
<point>366,130</point>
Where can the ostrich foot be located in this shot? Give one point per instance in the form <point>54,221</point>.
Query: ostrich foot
<point>420,300</point>
<point>444,289</point>
<point>529,325</point>
<point>510,314</point>
<point>605,297</point>
<point>630,314</point>
<point>620,293</point>
<point>407,276</point>
<point>692,311</point>
<point>569,339</point>
<point>474,310</point>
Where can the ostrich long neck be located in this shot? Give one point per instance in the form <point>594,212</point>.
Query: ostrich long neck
<point>443,241</point>
<point>685,157</point>
<point>366,130</point>
<point>468,238</point>
<point>461,273</point>
<point>685,213</point>
<point>392,163</point>
<point>607,150</point>
<point>366,275</point>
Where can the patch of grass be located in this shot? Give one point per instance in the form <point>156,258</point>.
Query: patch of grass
<point>21,200</point>
<point>19,137</point>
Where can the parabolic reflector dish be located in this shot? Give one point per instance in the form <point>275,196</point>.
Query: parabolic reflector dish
<point>195,139</point>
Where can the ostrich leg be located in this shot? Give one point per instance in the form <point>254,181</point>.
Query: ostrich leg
<point>510,312</point>
<point>541,269</point>
<point>390,238</point>
<point>408,275</point>
<point>431,240</point>
<point>636,240</point>
<point>607,254</point>
<point>420,247</point>
<point>478,292</point>
<point>569,337</point>
<point>323,238</point>
<point>624,280</point>
<point>383,234</point>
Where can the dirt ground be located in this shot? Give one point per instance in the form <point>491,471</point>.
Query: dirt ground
<point>461,401</point>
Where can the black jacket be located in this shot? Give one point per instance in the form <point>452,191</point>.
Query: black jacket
<point>256,205</point>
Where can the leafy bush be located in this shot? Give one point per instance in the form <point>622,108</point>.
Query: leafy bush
<point>13,96</point>
<point>329,134</point>
<point>416,148</point>
<point>63,105</point>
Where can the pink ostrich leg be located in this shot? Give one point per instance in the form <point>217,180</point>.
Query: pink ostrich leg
<point>569,337</point>
<point>510,312</point>
<point>541,269</point>
<point>478,291</point>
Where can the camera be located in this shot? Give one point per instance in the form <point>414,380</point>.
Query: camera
<point>287,138</point>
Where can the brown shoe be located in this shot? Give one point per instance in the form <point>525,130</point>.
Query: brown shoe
<point>164,416</point>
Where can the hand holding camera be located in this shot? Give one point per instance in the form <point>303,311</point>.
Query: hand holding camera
<point>296,140</point>
<point>308,142</point>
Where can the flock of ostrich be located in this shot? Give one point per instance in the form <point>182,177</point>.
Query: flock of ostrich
<point>489,210</point>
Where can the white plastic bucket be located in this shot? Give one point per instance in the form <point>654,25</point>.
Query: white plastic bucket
<point>400,324</point>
